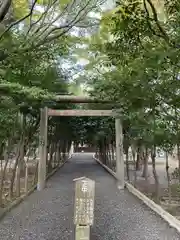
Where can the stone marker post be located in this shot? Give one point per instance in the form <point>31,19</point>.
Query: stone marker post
<point>84,207</point>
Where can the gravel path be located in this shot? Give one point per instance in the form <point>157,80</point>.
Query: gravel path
<point>48,215</point>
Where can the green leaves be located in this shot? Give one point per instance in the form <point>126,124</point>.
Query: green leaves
<point>142,79</point>
<point>20,8</point>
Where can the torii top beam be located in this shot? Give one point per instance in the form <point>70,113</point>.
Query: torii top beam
<point>79,99</point>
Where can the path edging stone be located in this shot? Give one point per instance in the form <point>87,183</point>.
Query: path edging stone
<point>16,202</point>
<point>170,219</point>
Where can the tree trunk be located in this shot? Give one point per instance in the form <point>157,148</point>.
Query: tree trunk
<point>3,173</point>
<point>104,152</point>
<point>108,160</point>
<point>156,179</point>
<point>51,151</point>
<point>57,154</point>
<point>138,166</point>
<point>168,178</point>
<point>113,159</point>
<point>145,161</point>
<point>126,145</point>
<point>100,151</point>
<point>13,177</point>
<point>59,150</point>
<point>17,162</point>
<point>35,174</point>
<point>20,169</point>
<point>134,162</point>
<point>2,146</point>
<point>110,156</point>
<point>127,162</point>
<point>69,146</point>
<point>178,155</point>
<point>17,181</point>
<point>4,8</point>
<point>64,149</point>
<point>21,162</point>
<point>76,146</point>
<point>26,179</point>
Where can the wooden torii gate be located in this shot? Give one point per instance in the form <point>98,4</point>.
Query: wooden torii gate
<point>45,113</point>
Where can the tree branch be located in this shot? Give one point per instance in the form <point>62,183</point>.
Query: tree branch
<point>48,36</point>
<point>43,16</point>
<point>5,5</point>
<point>72,22</point>
<point>148,21</point>
<point>20,20</point>
<point>162,31</point>
<point>49,25</point>
<point>67,27</point>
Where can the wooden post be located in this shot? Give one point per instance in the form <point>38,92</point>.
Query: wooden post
<point>42,149</point>
<point>119,153</point>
